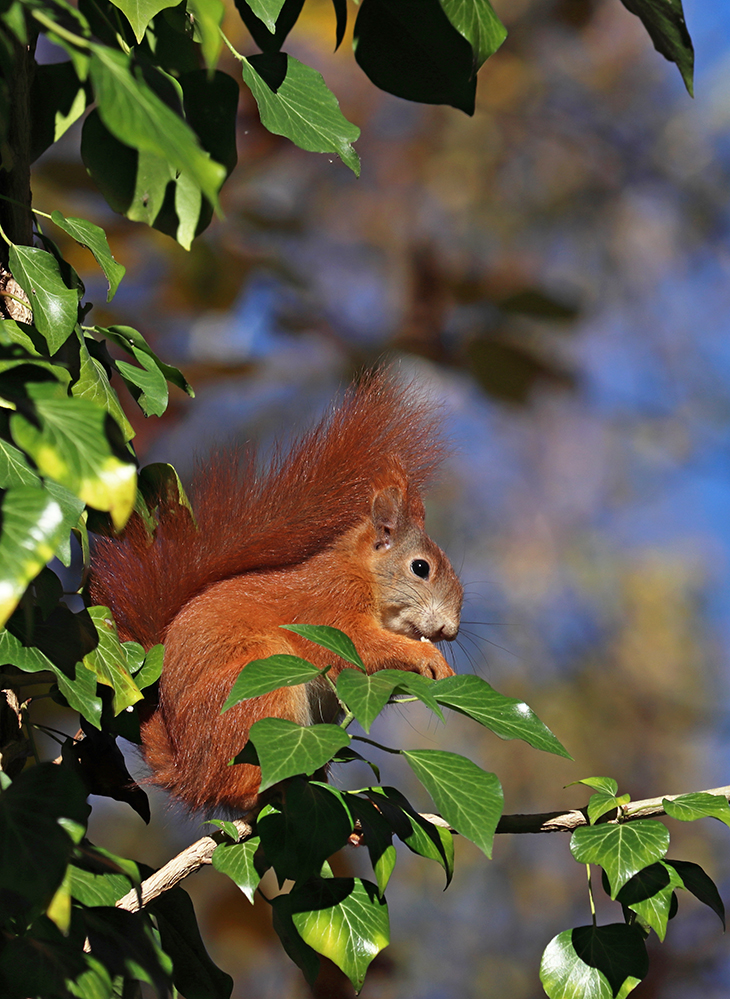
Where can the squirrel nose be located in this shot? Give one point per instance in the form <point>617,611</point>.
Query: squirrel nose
<point>447,632</point>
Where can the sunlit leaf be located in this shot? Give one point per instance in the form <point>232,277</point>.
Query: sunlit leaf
<point>261,676</point>
<point>594,962</point>
<point>236,860</point>
<point>507,717</point>
<point>294,101</point>
<point>668,30</point>
<point>698,805</point>
<point>477,22</point>
<point>329,638</point>
<point>621,850</point>
<point>343,919</point>
<point>286,749</point>
<point>94,238</point>
<point>469,798</point>
<point>55,307</point>
<point>139,13</point>
<point>32,527</point>
<point>109,661</point>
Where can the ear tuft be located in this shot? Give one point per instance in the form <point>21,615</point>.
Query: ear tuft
<point>386,512</point>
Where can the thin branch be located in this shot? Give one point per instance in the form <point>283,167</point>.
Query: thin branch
<point>199,854</point>
<point>191,859</point>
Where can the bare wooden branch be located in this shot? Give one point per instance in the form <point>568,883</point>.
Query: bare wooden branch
<point>199,853</point>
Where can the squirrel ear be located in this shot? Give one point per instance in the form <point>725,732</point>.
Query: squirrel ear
<point>386,511</point>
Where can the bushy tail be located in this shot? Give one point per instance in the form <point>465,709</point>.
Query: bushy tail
<point>248,519</point>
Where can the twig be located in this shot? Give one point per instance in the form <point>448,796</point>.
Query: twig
<point>199,853</point>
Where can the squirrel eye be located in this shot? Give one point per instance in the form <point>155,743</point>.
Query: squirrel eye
<point>420,568</point>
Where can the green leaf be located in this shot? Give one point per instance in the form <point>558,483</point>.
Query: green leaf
<point>14,468</point>
<point>329,638</point>
<point>261,676</point>
<point>237,861</point>
<point>270,39</point>
<point>605,785</point>
<point>410,48</point>
<point>294,101</point>
<point>649,894</point>
<point>55,307</point>
<point>477,22</point>
<point>151,670</point>
<point>109,661</point>
<point>413,685</point>
<point>79,690</point>
<point>71,446</point>
<point>377,838</point>
<point>93,983</point>
<point>139,13</point>
<point>698,805</point>
<point>267,11</point>
<point>420,836</point>
<point>313,823</point>
<point>664,20</point>
<point>594,962</point>
<point>345,920</point>
<point>697,881</point>
<point>599,804</point>
<point>207,19</point>
<point>97,889</point>
<point>286,749</point>
<point>621,850</point>
<point>301,954</point>
<point>93,383</point>
<point>94,238</point>
<point>34,848</point>
<point>365,696</point>
<point>58,99</point>
<point>193,973</point>
<point>32,527</point>
<point>135,344</point>
<point>507,717</point>
<point>469,798</point>
<point>134,113</point>
<point>146,384</point>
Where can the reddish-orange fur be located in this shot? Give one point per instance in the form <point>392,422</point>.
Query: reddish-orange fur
<point>321,538</point>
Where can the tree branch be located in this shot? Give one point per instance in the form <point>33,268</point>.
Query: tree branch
<point>199,853</point>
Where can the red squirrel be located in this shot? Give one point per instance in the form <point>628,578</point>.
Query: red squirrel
<point>333,533</point>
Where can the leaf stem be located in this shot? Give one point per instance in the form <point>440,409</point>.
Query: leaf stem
<point>235,52</point>
<point>590,894</point>
<point>6,238</point>
<point>378,745</point>
<point>20,301</point>
<point>69,36</point>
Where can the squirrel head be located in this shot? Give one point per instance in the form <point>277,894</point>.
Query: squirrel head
<point>417,591</point>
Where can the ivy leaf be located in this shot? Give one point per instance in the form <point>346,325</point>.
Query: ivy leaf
<point>507,717</point>
<point>151,670</point>
<point>365,696</point>
<point>34,847</point>
<point>207,19</point>
<point>698,805</point>
<point>420,836</point>
<point>146,384</point>
<point>72,509</point>
<point>286,749</point>
<point>32,527</point>
<point>134,343</point>
<point>329,638</point>
<point>109,661</point>
<point>594,962</point>
<point>71,446</point>
<point>58,99</point>
<point>93,238</point>
<point>605,785</point>
<point>697,881</point>
<point>377,837</point>
<point>237,861</point>
<point>599,804</point>
<point>139,13</point>
<point>621,850</point>
<point>345,920</point>
<point>412,49</point>
<point>469,798</point>
<point>261,676</point>
<point>649,894</point>
<point>194,975</point>
<point>668,31</point>
<point>93,384</point>
<point>134,113</point>
<point>477,22</point>
<point>55,307</point>
<point>313,823</point>
<point>267,11</point>
<point>14,468</point>
<point>294,101</point>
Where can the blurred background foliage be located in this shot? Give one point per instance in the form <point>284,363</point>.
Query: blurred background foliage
<point>556,267</point>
